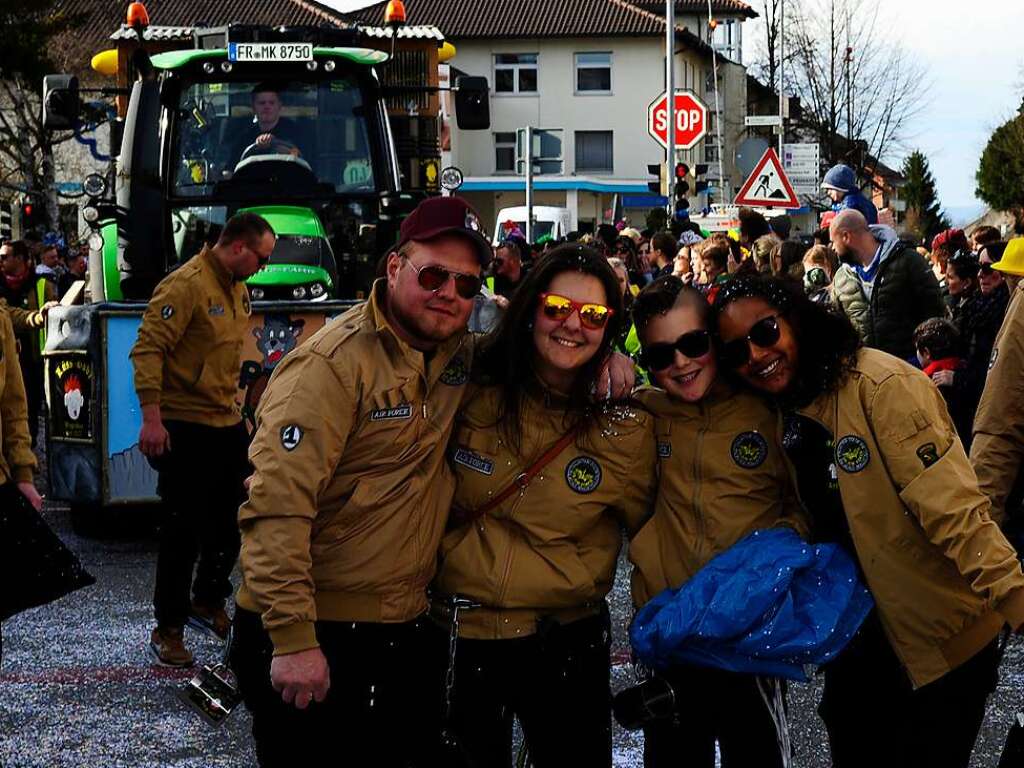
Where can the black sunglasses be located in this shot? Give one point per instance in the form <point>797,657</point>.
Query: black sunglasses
<point>763,333</point>
<point>433,277</point>
<point>658,357</point>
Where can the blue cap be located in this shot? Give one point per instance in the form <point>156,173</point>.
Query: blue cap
<point>840,178</point>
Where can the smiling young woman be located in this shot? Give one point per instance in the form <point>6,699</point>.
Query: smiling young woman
<point>722,475</point>
<point>881,472</point>
<point>545,480</point>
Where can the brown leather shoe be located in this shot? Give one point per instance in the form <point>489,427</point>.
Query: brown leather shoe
<point>167,646</point>
<point>212,620</point>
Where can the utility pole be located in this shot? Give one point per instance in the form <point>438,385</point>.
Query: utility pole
<point>670,97</point>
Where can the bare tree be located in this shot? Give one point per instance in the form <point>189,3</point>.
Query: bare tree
<point>766,67</point>
<point>859,90</point>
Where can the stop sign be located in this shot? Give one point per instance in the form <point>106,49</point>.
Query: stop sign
<point>691,118</point>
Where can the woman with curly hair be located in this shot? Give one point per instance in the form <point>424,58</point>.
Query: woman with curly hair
<point>881,472</point>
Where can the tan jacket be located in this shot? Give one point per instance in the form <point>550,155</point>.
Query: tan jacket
<point>351,490</point>
<point>944,578</point>
<point>551,550</point>
<point>723,475</point>
<point>17,461</point>
<point>997,452</point>
<point>188,355</point>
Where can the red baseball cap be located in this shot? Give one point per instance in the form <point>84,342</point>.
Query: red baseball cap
<point>438,216</point>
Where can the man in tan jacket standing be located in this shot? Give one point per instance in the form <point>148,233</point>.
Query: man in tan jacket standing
<point>187,360</point>
<point>346,509</point>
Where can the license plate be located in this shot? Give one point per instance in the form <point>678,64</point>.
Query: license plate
<point>270,51</point>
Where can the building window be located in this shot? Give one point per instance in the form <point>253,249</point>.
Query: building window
<point>505,152</point>
<point>515,73</point>
<point>593,151</point>
<point>547,151</point>
<point>593,73</point>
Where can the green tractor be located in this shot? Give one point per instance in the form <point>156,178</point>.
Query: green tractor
<point>289,123</point>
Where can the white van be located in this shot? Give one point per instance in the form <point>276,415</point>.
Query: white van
<point>547,220</point>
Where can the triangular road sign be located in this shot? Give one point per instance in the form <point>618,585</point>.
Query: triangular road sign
<point>768,185</point>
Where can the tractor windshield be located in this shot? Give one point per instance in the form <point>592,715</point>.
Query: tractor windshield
<point>222,128</point>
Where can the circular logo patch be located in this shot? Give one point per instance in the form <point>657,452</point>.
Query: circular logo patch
<point>992,360</point>
<point>583,474</point>
<point>291,436</point>
<point>852,454</point>
<point>167,312</point>
<point>472,222</point>
<point>455,373</point>
<point>749,450</point>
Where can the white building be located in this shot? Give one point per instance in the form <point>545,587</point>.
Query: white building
<point>582,74</point>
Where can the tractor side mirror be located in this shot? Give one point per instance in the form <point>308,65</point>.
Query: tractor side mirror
<point>61,102</point>
<point>472,104</point>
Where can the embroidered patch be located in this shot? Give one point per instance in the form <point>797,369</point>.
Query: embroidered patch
<point>992,360</point>
<point>928,454</point>
<point>291,436</point>
<point>749,450</point>
<point>583,474</point>
<point>403,411</point>
<point>216,310</point>
<point>852,454</point>
<point>473,461</point>
<point>167,312</point>
<point>455,373</point>
<point>665,450</point>
<point>473,222</point>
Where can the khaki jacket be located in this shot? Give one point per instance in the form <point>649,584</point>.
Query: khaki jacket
<point>551,550</point>
<point>188,354</point>
<point>944,578</point>
<point>997,452</point>
<point>723,475</point>
<point>351,490</point>
<point>17,461</point>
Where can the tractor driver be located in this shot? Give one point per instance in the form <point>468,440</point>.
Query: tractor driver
<point>269,133</point>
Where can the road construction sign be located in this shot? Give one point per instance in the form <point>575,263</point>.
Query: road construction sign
<point>768,185</point>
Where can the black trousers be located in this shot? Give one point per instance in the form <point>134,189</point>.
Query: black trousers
<point>201,486</point>
<point>383,708</point>
<point>557,682</point>
<point>875,717</point>
<point>714,705</point>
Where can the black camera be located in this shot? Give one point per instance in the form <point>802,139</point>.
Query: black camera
<point>651,701</point>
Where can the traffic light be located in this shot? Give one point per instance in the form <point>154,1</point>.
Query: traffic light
<point>659,187</point>
<point>29,216</point>
<point>700,170</point>
<point>681,190</point>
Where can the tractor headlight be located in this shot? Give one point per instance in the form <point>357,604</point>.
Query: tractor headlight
<point>299,292</point>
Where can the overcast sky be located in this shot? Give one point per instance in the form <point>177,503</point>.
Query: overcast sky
<point>973,52</point>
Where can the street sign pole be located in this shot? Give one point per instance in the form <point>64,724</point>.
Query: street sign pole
<point>529,184</point>
<point>782,66</point>
<point>670,89</point>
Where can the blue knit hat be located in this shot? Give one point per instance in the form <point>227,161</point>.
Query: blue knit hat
<point>840,178</point>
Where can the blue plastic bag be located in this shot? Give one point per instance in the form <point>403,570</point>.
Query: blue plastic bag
<point>769,605</point>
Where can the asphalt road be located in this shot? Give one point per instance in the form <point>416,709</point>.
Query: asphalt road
<point>77,687</point>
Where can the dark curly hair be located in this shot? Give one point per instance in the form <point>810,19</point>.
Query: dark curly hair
<point>507,358</point>
<point>828,341</point>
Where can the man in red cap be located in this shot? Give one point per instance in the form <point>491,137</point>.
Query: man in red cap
<point>348,501</point>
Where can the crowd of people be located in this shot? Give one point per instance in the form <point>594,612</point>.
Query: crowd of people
<point>432,519</point>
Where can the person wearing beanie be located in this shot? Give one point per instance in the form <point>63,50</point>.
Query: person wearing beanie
<point>840,185</point>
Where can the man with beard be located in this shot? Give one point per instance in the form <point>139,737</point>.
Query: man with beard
<point>347,506</point>
<point>883,286</point>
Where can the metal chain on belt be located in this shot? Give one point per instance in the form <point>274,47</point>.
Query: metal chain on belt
<point>455,604</point>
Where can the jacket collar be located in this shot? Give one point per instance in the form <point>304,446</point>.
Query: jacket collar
<point>224,276</point>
